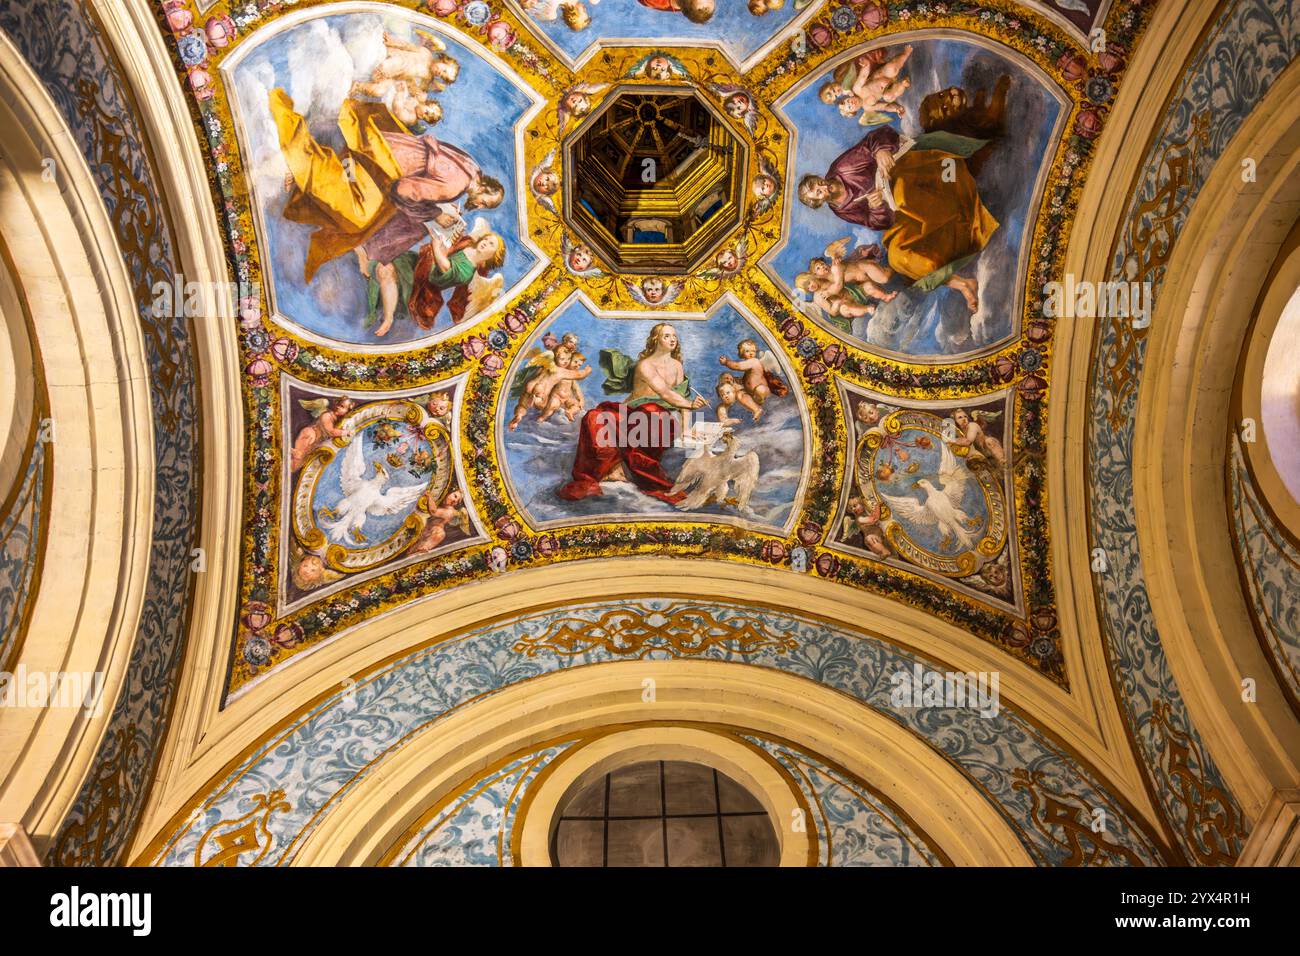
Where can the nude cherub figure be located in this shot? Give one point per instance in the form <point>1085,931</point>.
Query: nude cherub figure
<point>753,389</point>
<point>728,395</point>
<point>567,342</point>
<point>832,303</point>
<point>878,85</point>
<point>422,66</point>
<point>441,514</point>
<point>566,397</point>
<point>842,285</point>
<point>411,108</point>
<point>329,415</point>
<point>573,13</point>
<point>971,435</point>
<point>862,267</point>
<point>867,522</point>
<point>538,392</point>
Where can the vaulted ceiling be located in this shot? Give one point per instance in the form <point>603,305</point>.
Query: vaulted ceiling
<point>557,347</point>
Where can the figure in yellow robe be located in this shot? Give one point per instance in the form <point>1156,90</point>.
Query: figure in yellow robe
<point>398,182</point>
<point>938,224</point>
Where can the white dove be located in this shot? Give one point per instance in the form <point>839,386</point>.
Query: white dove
<point>940,507</point>
<point>363,497</point>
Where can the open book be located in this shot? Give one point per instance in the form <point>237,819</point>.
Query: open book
<point>449,234</point>
<point>882,181</point>
<point>701,435</point>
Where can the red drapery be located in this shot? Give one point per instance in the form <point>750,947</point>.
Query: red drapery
<point>602,445</point>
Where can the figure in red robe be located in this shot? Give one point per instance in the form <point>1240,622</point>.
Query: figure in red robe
<point>626,441</point>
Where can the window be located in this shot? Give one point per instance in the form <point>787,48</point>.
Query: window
<point>663,813</point>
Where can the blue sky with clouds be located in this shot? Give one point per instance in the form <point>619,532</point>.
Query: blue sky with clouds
<point>738,31</point>
<point>914,324</point>
<point>316,62</point>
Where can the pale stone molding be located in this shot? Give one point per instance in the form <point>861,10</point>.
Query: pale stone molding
<point>1275,839</point>
<point>131,31</point>
<point>1154,72</point>
<point>15,848</point>
<point>68,274</point>
<point>374,814</point>
<point>17,366</point>
<point>1218,268</point>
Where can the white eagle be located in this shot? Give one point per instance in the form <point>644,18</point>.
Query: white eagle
<point>940,507</point>
<point>707,475</point>
<point>364,497</point>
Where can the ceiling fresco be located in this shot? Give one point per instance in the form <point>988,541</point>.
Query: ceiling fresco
<point>895,295</point>
<point>555,487</point>
<point>744,30</point>
<point>819,354</point>
<point>375,484</point>
<point>317,164</point>
<point>577,284</point>
<point>929,487</point>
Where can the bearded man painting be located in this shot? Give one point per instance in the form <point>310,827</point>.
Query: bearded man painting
<point>377,205</point>
<point>922,197</point>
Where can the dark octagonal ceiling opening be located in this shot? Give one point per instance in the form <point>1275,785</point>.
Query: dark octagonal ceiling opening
<point>655,180</point>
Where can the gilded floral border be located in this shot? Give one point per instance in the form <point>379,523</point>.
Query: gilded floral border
<point>486,348</point>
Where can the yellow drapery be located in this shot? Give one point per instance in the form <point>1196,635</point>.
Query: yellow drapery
<point>346,210</point>
<point>937,222</point>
